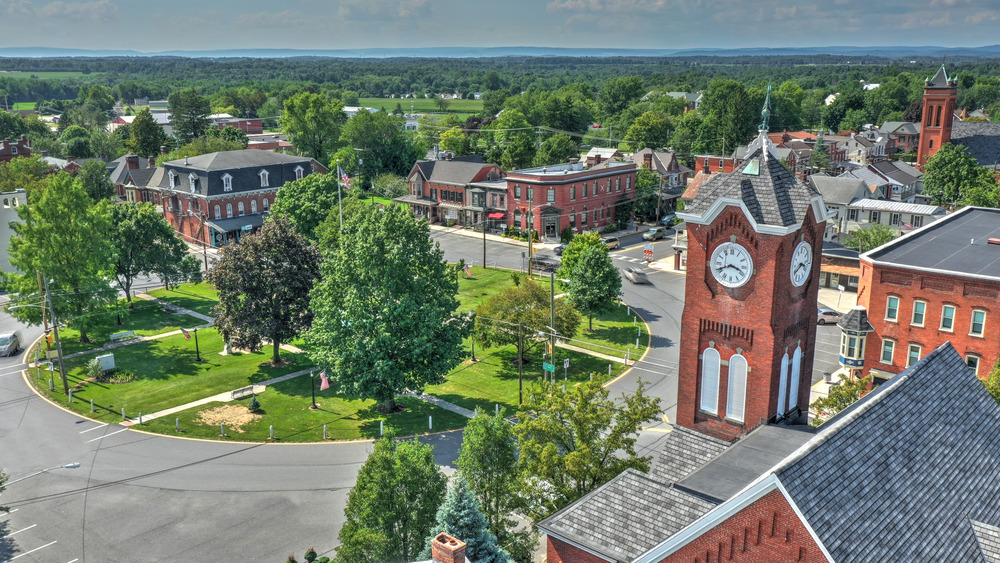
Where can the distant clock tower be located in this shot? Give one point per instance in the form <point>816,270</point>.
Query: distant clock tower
<point>940,94</point>
<point>749,325</point>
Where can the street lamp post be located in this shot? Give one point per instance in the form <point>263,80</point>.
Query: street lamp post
<point>47,298</point>
<point>201,231</point>
<point>73,465</point>
<point>472,318</point>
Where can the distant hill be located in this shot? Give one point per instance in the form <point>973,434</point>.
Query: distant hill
<point>893,52</point>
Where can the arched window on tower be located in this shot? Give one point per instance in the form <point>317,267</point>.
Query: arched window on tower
<point>937,120</point>
<point>930,115</point>
<point>783,385</point>
<point>793,390</point>
<point>736,395</point>
<point>710,362</point>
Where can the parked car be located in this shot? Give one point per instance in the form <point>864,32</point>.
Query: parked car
<point>635,275</point>
<point>559,249</point>
<point>656,233</point>
<point>612,243</point>
<point>826,315</point>
<point>10,343</point>
<point>669,220</point>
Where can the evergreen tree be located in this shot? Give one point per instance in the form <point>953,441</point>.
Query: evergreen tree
<point>460,517</point>
<point>145,135</point>
<point>189,114</point>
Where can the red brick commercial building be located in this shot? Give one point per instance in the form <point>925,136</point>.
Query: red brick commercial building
<point>937,284</point>
<point>442,190</point>
<point>13,148</point>
<point>562,196</point>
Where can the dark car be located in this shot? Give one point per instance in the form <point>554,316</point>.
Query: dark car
<point>559,249</point>
<point>10,343</point>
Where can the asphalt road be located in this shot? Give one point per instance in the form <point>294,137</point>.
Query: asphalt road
<point>138,497</point>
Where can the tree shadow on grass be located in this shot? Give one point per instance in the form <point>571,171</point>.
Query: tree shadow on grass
<point>411,421</point>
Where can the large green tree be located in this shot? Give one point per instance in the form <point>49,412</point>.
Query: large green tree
<point>527,304</point>
<point>264,284</point>
<point>647,191</point>
<point>731,117</point>
<point>488,461</point>
<point>313,123</point>
<point>459,516</point>
<point>649,130</point>
<point>64,234</point>
<point>952,173</point>
<point>380,140</point>
<point>385,308</point>
<point>145,135</point>
<point>96,180</point>
<point>557,149</point>
<point>307,202</point>
<point>189,113</point>
<point>618,93</point>
<point>106,145</point>
<point>391,509</point>
<point>868,238</point>
<point>76,139</point>
<point>596,283</point>
<point>839,398</point>
<point>27,173</point>
<point>573,441</point>
<point>142,242</point>
<point>571,254</point>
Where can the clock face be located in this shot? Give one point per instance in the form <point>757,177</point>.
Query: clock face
<point>732,265</point>
<point>802,260</point>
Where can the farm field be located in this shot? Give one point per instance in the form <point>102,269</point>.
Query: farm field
<point>423,105</point>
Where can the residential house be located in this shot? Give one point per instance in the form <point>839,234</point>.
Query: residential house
<point>218,197</point>
<point>568,196</point>
<point>838,193</point>
<point>840,492</point>
<point>904,136</point>
<point>13,148</point>
<point>10,202</point>
<point>118,171</point>
<point>597,155</point>
<point>120,120</point>
<point>901,216</point>
<point>712,163</point>
<point>861,149</point>
<point>673,175</point>
<point>692,100</point>
<point>440,190</point>
<point>899,180</point>
<point>934,285</point>
<point>840,267</point>
<point>269,142</point>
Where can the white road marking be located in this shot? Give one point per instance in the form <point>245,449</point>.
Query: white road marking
<point>105,436</point>
<point>8,513</point>
<point>22,529</point>
<point>14,372</point>
<point>74,561</point>
<point>95,428</point>
<point>34,550</point>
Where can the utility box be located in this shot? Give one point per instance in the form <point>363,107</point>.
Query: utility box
<point>107,362</point>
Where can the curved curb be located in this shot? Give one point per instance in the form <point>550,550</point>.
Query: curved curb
<point>649,347</point>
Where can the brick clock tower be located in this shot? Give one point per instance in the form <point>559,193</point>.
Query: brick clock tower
<point>940,93</point>
<point>749,323</point>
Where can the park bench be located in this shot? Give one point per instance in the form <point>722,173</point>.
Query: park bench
<point>243,392</point>
<point>122,335</point>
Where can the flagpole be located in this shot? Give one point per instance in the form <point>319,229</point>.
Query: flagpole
<point>312,381</point>
<point>197,350</point>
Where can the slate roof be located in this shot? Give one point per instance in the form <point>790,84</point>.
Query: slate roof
<point>889,169</point>
<point>227,160</point>
<point>856,320</point>
<point>770,192</point>
<point>900,128</point>
<point>140,177</point>
<point>626,516</point>
<point>867,176</point>
<point>939,81</point>
<point>989,541</point>
<point>840,190</point>
<point>899,475</point>
<point>457,171</point>
<point>684,451</point>
<point>982,138</point>
<point>119,168</point>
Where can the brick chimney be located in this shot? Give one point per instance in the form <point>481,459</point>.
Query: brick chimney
<point>648,159</point>
<point>446,549</point>
<point>151,162</point>
<point>597,159</point>
<point>705,167</point>
<point>132,161</point>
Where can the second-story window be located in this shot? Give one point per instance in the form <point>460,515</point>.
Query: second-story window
<point>572,193</point>
<point>253,206</point>
<point>978,323</point>
<point>241,209</point>
<point>550,196</point>
<point>264,178</point>
<point>919,308</point>
<point>227,183</point>
<point>595,188</point>
<point>299,172</point>
<point>517,192</point>
<point>891,308</point>
<point>218,212</point>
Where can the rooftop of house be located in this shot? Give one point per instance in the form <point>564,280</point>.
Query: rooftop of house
<point>957,244</point>
<point>982,138</point>
<point>897,206</point>
<point>227,160</point>
<point>900,128</point>
<point>838,190</point>
<point>456,171</point>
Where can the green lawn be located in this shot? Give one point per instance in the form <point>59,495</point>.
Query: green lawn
<point>422,105</point>
<point>484,283</point>
<point>200,297</point>
<point>613,334</point>
<point>23,106</point>
<point>146,319</point>
<point>286,406</point>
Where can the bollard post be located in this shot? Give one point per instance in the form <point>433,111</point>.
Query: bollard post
<point>380,432</point>
<point>325,437</point>
<point>633,321</point>
<point>70,400</point>
<point>123,413</point>
<point>91,405</point>
<point>497,407</point>
<point>637,343</point>
<point>177,423</point>
<point>430,423</point>
<point>564,387</point>
<point>222,428</point>
<point>52,386</point>
<point>591,377</point>
<point>271,430</point>
<point>140,418</point>
<point>609,370</point>
<point>640,332</point>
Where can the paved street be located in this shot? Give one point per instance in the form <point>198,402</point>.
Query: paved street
<point>138,497</point>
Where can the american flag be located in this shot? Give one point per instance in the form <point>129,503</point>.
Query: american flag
<point>907,226</point>
<point>324,382</point>
<point>468,272</point>
<point>187,335</point>
<point>344,178</point>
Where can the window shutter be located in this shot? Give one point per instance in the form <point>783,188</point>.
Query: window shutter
<point>737,392</point>
<point>710,362</point>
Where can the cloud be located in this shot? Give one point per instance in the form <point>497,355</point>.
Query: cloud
<point>379,9</point>
<point>101,10</point>
<point>17,7</point>
<point>612,6</point>
<point>283,19</point>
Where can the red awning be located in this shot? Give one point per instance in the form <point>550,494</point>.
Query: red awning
<point>496,215</point>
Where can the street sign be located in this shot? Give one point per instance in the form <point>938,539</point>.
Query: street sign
<point>648,247</point>
<point>549,367</point>
<point>247,228</point>
<point>566,363</point>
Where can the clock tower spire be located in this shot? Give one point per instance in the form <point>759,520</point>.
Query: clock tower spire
<point>754,241</point>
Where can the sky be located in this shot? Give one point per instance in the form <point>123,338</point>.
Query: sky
<point>350,24</point>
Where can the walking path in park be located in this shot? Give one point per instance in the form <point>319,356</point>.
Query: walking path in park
<point>258,388</point>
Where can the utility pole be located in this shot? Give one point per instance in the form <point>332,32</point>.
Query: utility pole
<point>520,364</point>
<point>45,321</point>
<point>55,329</point>
<point>484,238</point>
<point>530,238</point>
<point>552,317</point>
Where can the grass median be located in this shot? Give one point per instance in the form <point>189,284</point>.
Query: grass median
<point>146,318</point>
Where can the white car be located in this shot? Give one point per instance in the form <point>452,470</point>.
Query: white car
<point>826,315</point>
<point>635,275</point>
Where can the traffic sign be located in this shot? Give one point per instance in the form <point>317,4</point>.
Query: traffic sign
<point>566,363</point>
<point>549,367</point>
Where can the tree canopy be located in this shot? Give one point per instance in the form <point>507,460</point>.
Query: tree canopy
<point>460,517</point>
<point>305,203</point>
<point>596,283</point>
<point>953,176</point>
<point>145,135</point>
<point>385,308</point>
<point>526,304</point>
<point>142,242</point>
<point>313,124</point>
<point>868,238</point>
<point>189,113</point>
<point>264,284</point>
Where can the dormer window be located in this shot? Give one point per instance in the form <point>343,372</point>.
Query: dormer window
<point>263,178</point>
<point>193,181</point>
<point>227,183</point>
<point>299,172</point>
<point>13,150</point>
<point>173,179</point>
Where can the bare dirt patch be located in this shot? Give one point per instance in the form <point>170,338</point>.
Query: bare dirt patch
<point>233,416</point>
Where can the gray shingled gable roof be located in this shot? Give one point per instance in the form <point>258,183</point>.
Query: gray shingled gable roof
<point>457,172</point>
<point>989,541</point>
<point>772,197</point>
<point>940,80</point>
<point>140,177</point>
<point>841,190</point>
<point>684,451</point>
<point>626,516</point>
<point>981,138</point>
<point>898,476</point>
<point>889,168</point>
<point>227,160</point>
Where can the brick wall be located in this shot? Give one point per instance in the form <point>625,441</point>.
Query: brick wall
<point>938,114</point>
<point>558,551</point>
<point>569,198</point>
<point>879,282</point>
<point>766,531</point>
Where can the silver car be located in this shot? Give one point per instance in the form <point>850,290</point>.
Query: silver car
<point>826,315</point>
<point>635,275</point>
<point>10,343</point>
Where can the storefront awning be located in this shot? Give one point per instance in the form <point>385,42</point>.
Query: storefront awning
<point>244,223</point>
<point>496,215</point>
